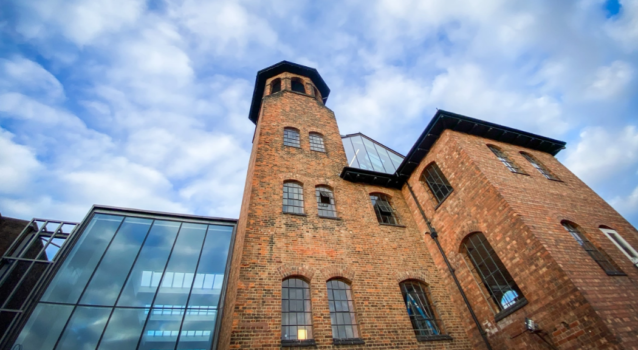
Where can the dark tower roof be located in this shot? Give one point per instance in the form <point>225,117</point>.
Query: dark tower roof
<point>276,69</point>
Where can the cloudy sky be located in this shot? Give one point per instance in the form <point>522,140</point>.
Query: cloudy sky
<point>144,104</point>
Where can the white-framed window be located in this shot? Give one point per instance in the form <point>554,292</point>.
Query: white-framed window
<point>620,242</point>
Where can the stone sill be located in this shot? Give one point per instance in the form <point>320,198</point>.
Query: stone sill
<point>402,226</point>
<point>329,217</point>
<point>298,343</point>
<point>510,310</point>
<point>350,341</point>
<point>433,337</point>
<point>296,214</point>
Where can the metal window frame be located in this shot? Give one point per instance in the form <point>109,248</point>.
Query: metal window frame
<point>351,311</point>
<point>596,254</point>
<point>306,286</point>
<point>513,167</point>
<point>437,183</point>
<point>540,167</point>
<point>431,322</point>
<point>382,200</point>
<point>325,209</point>
<point>292,137</point>
<point>316,142</point>
<point>621,244</point>
<point>294,189</point>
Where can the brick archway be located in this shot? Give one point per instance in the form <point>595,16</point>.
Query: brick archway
<point>288,270</point>
<point>331,272</point>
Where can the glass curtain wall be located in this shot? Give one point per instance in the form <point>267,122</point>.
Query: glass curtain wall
<point>363,153</point>
<point>134,283</point>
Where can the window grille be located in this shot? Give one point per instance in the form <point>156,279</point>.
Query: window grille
<point>505,160</point>
<point>595,254</point>
<point>296,313</point>
<point>291,137</point>
<point>293,198</point>
<point>437,183</point>
<point>418,307</point>
<point>275,86</point>
<point>623,245</point>
<point>342,316</point>
<point>383,209</point>
<point>316,142</point>
<point>326,202</point>
<point>495,277</point>
<point>540,167</point>
<point>297,85</point>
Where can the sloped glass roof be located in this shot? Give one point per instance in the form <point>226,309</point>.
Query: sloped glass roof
<point>365,153</point>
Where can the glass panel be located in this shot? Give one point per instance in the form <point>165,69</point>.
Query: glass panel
<point>183,260</point>
<point>144,279</point>
<point>396,160</point>
<point>70,280</point>
<point>106,284</point>
<point>198,328</point>
<point>385,159</point>
<point>374,156</point>
<point>360,153</point>
<point>44,327</point>
<point>162,328</point>
<point>352,159</point>
<point>124,329</point>
<point>84,328</point>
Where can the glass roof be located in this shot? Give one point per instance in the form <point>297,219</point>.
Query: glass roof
<point>365,153</point>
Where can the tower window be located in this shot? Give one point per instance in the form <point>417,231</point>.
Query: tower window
<point>325,202</point>
<point>293,197</point>
<point>505,160</point>
<point>297,85</point>
<point>418,307</point>
<point>275,86</point>
<point>598,256</point>
<point>316,142</point>
<point>383,209</point>
<point>623,245</point>
<point>342,316</point>
<point>291,137</point>
<point>539,166</point>
<point>296,313</point>
<point>490,268</point>
<point>437,183</point>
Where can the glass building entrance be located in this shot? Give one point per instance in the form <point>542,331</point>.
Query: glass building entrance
<point>135,281</point>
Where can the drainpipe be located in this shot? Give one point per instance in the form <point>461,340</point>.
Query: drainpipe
<point>434,235</point>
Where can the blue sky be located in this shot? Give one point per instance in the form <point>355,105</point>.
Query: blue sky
<point>144,104</point>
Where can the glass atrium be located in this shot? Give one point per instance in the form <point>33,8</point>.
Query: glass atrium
<point>365,153</point>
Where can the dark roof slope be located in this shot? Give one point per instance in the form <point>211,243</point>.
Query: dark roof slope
<point>276,69</point>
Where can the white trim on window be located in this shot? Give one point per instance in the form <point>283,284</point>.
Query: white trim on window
<point>620,242</point>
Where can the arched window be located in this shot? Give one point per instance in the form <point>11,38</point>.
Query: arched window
<point>316,142</point>
<point>275,86</point>
<point>539,166</point>
<point>490,268</point>
<point>620,242</point>
<point>383,209</point>
<point>342,315</point>
<point>595,254</point>
<point>297,85</point>
<point>293,197</point>
<point>296,312</point>
<point>418,307</point>
<point>437,182</point>
<point>326,202</point>
<point>291,137</point>
<point>505,160</point>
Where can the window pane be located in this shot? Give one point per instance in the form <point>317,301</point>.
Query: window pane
<point>296,313</point>
<point>44,326</point>
<point>436,181</point>
<point>291,137</point>
<point>293,198</point>
<point>124,329</point>
<point>198,328</point>
<point>69,282</point>
<point>107,282</point>
<point>385,159</point>
<point>162,328</point>
<point>361,154</point>
<point>84,328</point>
<point>149,267</point>
<point>342,315</point>
<point>350,153</point>
<point>377,165</point>
<point>316,143</point>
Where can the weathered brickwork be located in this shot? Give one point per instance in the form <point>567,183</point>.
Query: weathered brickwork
<point>272,245</point>
<point>577,305</point>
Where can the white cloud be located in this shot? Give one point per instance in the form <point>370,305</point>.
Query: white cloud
<point>611,81</point>
<point>19,74</point>
<point>626,205</point>
<point>18,165</point>
<point>624,29</point>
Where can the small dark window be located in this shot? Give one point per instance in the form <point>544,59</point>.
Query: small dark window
<point>505,160</point>
<point>342,316</point>
<point>490,268</point>
<point>437,183</point>
<point>316,142</point>
<point>421,314</point>
<point>539,166</point>
<point>296,313</point>
<point>316,93</point>
<point>383,209</point>
<point>275,86</point>
<point>297,85</point>
<point>595,254</point>
<point>293,198</point>
<point>326,202</point>
<point>291,137</point>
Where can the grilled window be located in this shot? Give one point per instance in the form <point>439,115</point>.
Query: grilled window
<point>342,316</point>
<point>437,183</point>
<point>418,306</point>
<point>326,202</point>
<point>293,198</point>
<point>505,160</point>
<point>291,137</point>
<point>275,86</point>
<point>490,268</point>
<point>623,245</point>
<point>297,85</point>
<point>539,166</point>
<point>316,142</point>
<point>383,209</point>
<point>598,256</point>
<point>296,313</point>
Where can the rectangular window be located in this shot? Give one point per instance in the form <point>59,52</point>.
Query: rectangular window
<point>342,316</point>
<point>437,182</point>
<point>316,143</point>
<point>620,242</point>
<point>291,137</point>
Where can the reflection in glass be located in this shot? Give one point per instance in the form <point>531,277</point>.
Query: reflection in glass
<point>374,156</point>
<point>111,274</point>
<point>162,328</point>
<point>124,329</point>
<point>197,329</point>
<point>212,263</point>
<point>360,153</point>
<point>39,332</point>
<point>364,153</point>
<point>70,280</point>
<point>84,328</point>
<point>385,159</point>
<point>350,154</point>
<point>144,279</point>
